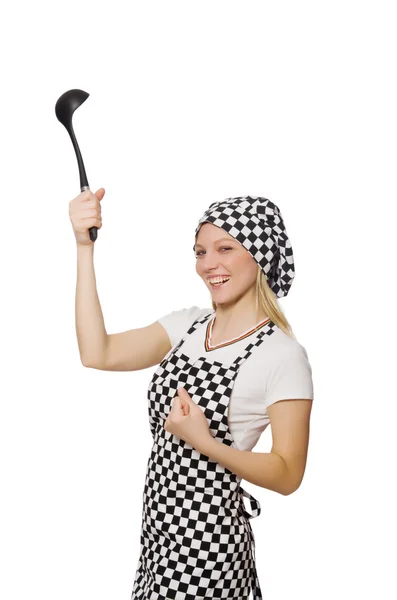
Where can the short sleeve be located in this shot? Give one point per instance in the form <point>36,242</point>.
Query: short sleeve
<point>177,322</point>
<point>290,377</point>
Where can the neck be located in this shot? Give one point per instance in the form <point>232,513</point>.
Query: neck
<point>233,320</point>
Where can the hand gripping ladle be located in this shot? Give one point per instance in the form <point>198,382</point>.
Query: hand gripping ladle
<point>64,109</point>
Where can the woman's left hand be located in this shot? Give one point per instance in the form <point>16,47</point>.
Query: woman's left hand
<point>187,421</point>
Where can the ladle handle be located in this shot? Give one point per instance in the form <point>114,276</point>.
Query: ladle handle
<point>93,230</point>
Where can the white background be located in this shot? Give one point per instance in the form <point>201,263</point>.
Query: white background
<point>190,103</point>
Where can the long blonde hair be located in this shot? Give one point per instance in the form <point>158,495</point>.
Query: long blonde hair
<point>267,300</point>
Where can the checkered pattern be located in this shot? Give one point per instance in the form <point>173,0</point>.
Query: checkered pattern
<point>257,224</point>
<point>196,539</point>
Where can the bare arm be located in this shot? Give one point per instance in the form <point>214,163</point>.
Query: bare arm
<point>130,350</point>
<point>90,327</point>
<point>280,470</point>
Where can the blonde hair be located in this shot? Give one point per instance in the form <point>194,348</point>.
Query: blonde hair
<point>267,300</point>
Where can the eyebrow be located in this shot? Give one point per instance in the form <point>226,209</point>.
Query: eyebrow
<point>220,240</point>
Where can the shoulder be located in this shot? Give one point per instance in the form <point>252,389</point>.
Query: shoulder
<point>286,348</point>
<point>186,315</point>
<point>283,355</point>
<point>288,373</point>
<point>177,322</point>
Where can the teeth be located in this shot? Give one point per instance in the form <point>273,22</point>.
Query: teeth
<point>219,280</point>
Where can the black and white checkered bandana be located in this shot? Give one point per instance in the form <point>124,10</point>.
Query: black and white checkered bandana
<point>257,224</point>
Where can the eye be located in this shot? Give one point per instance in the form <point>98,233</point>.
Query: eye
<point>222,248</point>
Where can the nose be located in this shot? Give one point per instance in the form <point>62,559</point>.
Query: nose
<point>209,262</point>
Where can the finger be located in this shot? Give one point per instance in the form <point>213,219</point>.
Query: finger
<point>100,193</point>
<point>183,395</point>
<point>176,407</point>
<point>186,399</point>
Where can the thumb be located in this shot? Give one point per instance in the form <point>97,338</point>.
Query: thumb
<point>184,396</point>
<point>177,405</point>
<point>184,400</point>
<point>100,193</point>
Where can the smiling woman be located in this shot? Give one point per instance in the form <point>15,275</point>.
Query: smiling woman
<point>230,272</point>
<point>224,374</point>
<point>208,405</point>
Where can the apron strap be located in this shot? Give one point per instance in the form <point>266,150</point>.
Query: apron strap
<point>255,505</point>
<point>191,329</point>
<point>267,329</point>
<point>256,511</point>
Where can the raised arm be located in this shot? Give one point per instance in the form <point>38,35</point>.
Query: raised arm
<point>130,350</point>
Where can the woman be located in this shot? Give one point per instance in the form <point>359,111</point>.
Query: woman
<point>227,373</point>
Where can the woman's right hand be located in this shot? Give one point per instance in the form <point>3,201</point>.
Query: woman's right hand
<point>84,213</point>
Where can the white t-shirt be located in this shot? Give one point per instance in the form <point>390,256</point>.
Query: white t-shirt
<point>278,369</point>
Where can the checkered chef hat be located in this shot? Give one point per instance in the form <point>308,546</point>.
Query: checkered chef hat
<point>257,224</point>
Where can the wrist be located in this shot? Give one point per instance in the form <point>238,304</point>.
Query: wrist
<point>210,443</point>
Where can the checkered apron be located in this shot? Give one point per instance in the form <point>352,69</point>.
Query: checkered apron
<point>196,538</point>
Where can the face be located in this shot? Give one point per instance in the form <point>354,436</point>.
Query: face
<point>218,253</point>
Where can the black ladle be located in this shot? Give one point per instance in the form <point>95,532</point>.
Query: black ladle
<point>64,109</point>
